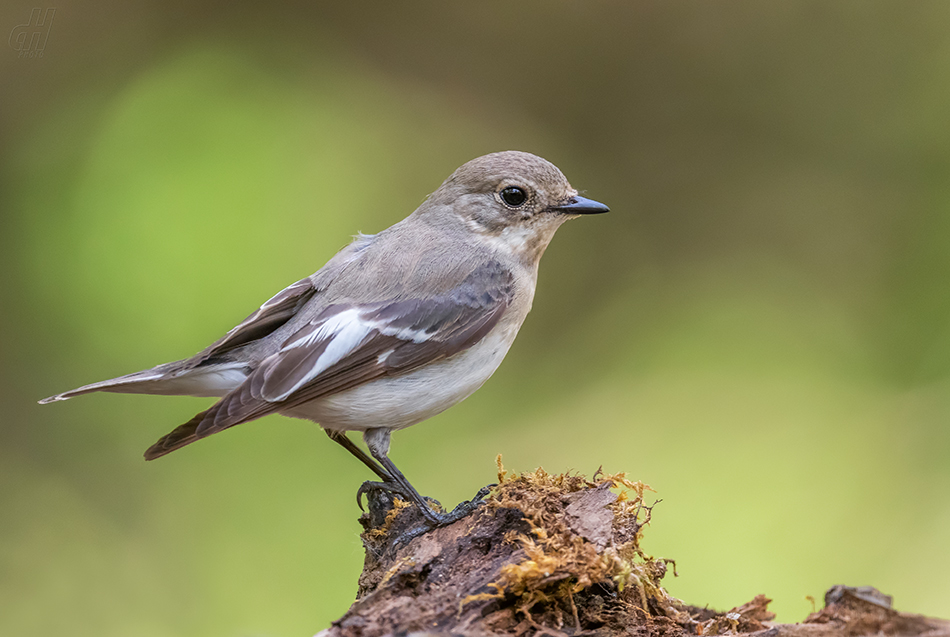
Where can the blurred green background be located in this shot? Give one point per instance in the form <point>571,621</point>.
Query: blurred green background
<point>760,329</point>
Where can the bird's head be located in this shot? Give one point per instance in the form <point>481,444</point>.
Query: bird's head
<point>513,201</point>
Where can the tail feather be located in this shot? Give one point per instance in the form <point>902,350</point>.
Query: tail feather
<point>219,379</point>
<point>128,384</point>
<point>170,379</point>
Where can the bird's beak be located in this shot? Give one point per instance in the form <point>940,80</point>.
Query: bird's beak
<point>577,205</point>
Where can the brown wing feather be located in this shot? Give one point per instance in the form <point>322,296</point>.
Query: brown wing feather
<point>179,437</point>
<point>451,323</point>
<point>279,309</point>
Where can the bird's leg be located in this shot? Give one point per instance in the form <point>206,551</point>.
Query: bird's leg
<point>377,440</point>
<point>344,441</point>
<point>387,484</point>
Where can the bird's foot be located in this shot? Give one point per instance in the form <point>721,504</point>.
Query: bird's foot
<point>379,503</point>
<point>380,498</point>
<point>371,489</point>
<point>468,506</point>
<point>436,520</point>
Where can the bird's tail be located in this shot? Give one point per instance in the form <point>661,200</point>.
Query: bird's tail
<point>170,379</point>
<point>180,379</point>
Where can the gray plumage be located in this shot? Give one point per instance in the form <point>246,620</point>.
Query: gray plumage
<point>396,327</point>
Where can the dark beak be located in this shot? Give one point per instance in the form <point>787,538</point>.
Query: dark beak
<point>581,206</point>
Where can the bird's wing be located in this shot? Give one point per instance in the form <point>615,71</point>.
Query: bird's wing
<point>349,344</point>
<point>276,311</point>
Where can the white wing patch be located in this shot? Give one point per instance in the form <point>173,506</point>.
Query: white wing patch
<point>402,333</point>
<point>345,332</point>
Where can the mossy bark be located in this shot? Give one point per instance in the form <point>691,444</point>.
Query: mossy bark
<point>559,555</point>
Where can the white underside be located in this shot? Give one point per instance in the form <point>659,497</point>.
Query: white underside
<point>215,382</point>
<point>401,401</point>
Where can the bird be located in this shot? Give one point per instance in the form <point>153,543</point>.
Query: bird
<point>397,327</point>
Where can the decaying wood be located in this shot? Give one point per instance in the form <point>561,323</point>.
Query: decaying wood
<point>560,555</point>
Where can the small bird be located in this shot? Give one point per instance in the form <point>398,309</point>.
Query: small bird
<point>397,327</point>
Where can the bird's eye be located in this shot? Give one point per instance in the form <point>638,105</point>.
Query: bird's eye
<point>514,196</point>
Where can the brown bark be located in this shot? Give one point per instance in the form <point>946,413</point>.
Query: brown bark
<point>560,555</point>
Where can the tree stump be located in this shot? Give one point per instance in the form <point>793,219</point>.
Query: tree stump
<point>560,555</point>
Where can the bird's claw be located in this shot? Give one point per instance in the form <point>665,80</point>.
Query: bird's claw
<point>443,519</point>
<point>432,516</point>
<point>461,510</point>
<point>386,487</point>
<point>468,506</point>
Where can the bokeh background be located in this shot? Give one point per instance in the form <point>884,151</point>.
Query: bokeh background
<point>760,329</point>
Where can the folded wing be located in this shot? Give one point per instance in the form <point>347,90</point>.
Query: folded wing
<point>349,344</point>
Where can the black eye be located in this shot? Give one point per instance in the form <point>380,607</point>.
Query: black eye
<point>513,196</point>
